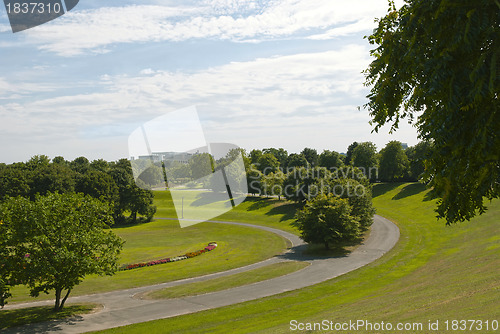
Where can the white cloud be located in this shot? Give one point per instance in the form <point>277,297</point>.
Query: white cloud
<point>11,89</point>
<point>251,21</point>
<point>238,97</point>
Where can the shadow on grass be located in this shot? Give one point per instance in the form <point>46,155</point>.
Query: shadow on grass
<point>206,198</point>
<point>410,190</point>
<point>42,319</point>
<point>307,252</point>
<point>286,210</point>
<point>260,202</point>
<point>380,189</point>
<point>430,195</point>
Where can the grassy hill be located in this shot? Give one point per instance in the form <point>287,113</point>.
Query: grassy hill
<point>237,246</point>
<point>435,273</point>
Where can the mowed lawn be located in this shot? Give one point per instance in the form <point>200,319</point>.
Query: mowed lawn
<point>237,246</point>
<point>254,210</point>
<point>434,273</point>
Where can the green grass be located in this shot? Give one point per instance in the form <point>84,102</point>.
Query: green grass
<point>18,317</point>
<point>434,273</point>
<point>227,282</point>
<point>237,246</point>
<point>254,210</point>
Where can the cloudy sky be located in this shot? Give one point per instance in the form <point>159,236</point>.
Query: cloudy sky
<point>261,73</point>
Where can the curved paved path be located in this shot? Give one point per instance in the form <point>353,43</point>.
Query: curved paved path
<point>122,308</point>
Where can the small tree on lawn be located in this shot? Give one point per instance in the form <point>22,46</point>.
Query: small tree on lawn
<point>327,219</point>
<point>57,240</point>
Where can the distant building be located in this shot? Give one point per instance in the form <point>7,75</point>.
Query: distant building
<point>168,156</point>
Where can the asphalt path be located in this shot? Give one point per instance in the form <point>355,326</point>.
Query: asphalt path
<point>125,307</point>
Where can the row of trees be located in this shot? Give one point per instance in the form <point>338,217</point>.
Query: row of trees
<point>55,218</point>
<point>335,198</point>
<point>268,168</point>
<point>392,163</point>
<point>111,182</point>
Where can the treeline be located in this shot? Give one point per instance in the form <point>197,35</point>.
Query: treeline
<point>111,182</point>
<point>393,163</point>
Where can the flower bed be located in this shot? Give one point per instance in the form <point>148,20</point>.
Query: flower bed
<point>211,246</point>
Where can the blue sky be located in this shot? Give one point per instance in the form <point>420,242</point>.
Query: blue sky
<point>276,73</point>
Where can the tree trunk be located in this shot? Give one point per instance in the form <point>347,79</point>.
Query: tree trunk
<point>60,303</point>
<point>326,245</point>
<point>64,300</point>
<point>58,299</point>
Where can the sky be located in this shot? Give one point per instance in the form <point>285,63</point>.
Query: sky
<point>261,73</point>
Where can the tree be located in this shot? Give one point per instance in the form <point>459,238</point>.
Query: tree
<point>330,159</point>
<point>311,156</point>
<point>359,195</point>
<point>100,165</point>
<point>99,185</point>
<point>201,165</point>
<point>140,201</point>
<point>393,162</point>
<point>326,220</point>
<point>365,156</point>
<point>267,163</point>
<point>254,180</point>
<point>255,156</point>
<point>296,160</point>
<point>153,175</point>
<point>301,184</point>
<point>37,161</point>
<point>417,156</point>
<point>60,160</point>
<point>80,165</point>
<point>51,178</point>
<point>58,239</point>
<point>5,264</point>
<point>13,182</point>
<point>272,184</point>
<point>348,155</point>
<point>438,62</point>
<point>130,198</point>
<point>279,153</point>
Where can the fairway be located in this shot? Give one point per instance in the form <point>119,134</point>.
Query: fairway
<point>435,273</point>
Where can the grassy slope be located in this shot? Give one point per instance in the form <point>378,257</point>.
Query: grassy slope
<point>237,246</point>
<point>228,282</point>
<point>268,211</point>
<point>434,273</point>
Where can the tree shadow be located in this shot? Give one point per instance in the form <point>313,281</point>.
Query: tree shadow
<point>432,194</point>
<point>410,190</point>
<point>380,189</point>
<point>308,252</point>
<point>259,202</point>
<point>207,198</point>
<point>286,210</point>
<point>48,326</point>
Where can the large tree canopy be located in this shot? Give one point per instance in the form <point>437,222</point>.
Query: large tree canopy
<point>437,62</point>
<point>53,242</point>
